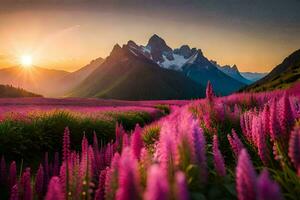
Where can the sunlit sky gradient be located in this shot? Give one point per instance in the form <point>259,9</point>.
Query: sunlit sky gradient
<point>254,34</point>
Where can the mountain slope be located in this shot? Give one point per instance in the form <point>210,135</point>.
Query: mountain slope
<point>282,76</point>
<point>253,76</point>
<point>7,91</point>
<point>128,74</point>
<point>38,80</point>
<point>71,80</point>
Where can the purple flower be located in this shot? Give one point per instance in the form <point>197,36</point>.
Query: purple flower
<point>54,190</point>
<point>266,120</point>
<point>56,164</point>
<point>294,148</point>
<point>266,188</point>
<point>14,193</point>
<point>274,122</point>
<point>245,177</point>
<point>39,182</point>
<point>235,143</point>
<point>218,158</point>
<point>136,141</point>
<point>209,92</point>
<point>286,118</point>
<point>100,192</point>
<point>26,185</point>
<point>157,184</point>
<point>128,177</point>
<point>12,174</point>
<point>181,186</point>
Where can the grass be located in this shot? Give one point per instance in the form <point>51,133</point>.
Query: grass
<point>27,138</point>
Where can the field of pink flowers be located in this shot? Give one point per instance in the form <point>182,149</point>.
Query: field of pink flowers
<point>245,146</point>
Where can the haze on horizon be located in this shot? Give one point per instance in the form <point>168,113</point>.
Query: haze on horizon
<point>255,35</point>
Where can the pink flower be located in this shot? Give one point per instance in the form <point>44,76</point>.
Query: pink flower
<point>235,143</point>
<point>12,174</point>
<point>26,185</point>
<point>128,177</point>
<point>218,158</point>
<point>54,190</point>
<point>274,122</point>
<point>100,192</point>
<point>136,141</point>
<point>267,189</point>
<point>181,186</point>
<point>245,177</point>
<point>39,181</point>
<point>14,193</point>
<point>286,118</point>
<point>3,172</point>
<point>294,148</point>
<point>157,184</point>
<point>209,92</point>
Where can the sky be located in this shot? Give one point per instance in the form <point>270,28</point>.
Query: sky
<point>256,35</point>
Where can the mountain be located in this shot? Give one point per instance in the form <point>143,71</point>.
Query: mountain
<point>253,76</point>
<point>7,91</point>
<point>129,73</point>
<point>36,79</point>
<point>189,61</point>
<point>71,80</point>
<point>282,76</point>
<point>233,72</point>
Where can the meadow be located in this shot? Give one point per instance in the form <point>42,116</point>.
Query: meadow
<point>244,146</point>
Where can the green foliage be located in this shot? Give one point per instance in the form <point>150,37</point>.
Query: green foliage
<point>165,109</point>
<point>150,136</point>
<point>30,138</point>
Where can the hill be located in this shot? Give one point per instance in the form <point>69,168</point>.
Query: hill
<point>282,76</point>
<point>7,91</point>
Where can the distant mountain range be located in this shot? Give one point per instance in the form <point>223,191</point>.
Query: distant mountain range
<point>282,76</point>
<point>128,74</point>
<point>7,91</point>
<point>253,76</point>
<point>135,72</point>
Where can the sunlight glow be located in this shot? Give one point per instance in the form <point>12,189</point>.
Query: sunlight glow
<point>26,61</point>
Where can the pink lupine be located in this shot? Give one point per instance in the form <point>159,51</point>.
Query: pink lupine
<point>286,118</point>
<point>3,176</point>
<point>294,148</point>
<point>12,174</point>
<point>181,186</point>
<point>54,190</point>
<point>157,184</point>
<point>218,158</point>
<point>100,192</point>
<point>14,193</point>
<point>125,141</point>
<point>274,122</point>
<point>136,141</point>
<point>199,146</point>
<point>46,172</point>
<point>245,177</point>
<point>39,182</point>
<point>66,144</point>
<point>266,120</point>
<point>209,92</point>
<point>267,189</point>
<point>235,143</point>
<point>128,177</point>
<point>26,185</point>
<point>111,180</point>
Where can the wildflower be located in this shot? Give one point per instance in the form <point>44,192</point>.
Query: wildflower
<point>12,174</point>
<point>136,141</point>
<point>14,193</point>
<point>66,144</point>
<point>39,181</point>
<point>100,192</point>
<point>128,177</point>
<point>209,92</point>
<point>54,190</point>
<point>26,185</point>
<point>218,158</point>
<point>3,177</point>
<point>274,123</point>
<point>245,177</point>
<point>181,186</point>
<point>266,188</point>
<point>157,184</point>
<point>294,148</point>
<point>286,118</point>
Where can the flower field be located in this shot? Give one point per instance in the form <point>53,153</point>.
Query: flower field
<point>245,146</point>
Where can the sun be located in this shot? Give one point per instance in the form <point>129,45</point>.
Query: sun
<point>26,60</point>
